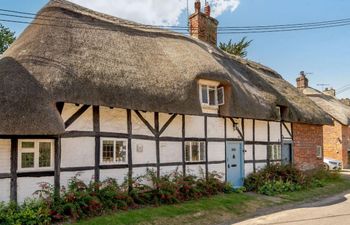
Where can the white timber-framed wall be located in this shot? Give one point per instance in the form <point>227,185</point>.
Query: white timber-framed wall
<point>153,140</point>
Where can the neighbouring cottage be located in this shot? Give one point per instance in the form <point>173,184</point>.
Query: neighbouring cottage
<point>336,137</point>
<point>85,92</point>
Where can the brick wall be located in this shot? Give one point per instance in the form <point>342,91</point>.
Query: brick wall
<point>346,145</point>
<point>204,28</point>
<point>306,139</point>
<point>336,142</point>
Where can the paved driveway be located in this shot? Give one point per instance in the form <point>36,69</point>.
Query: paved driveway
<point>330,211</point>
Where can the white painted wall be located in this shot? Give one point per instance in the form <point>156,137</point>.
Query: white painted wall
<point>166,170</point>
<point>175,127</point>
<point>260,152</point>
<point>170,152</point>
<point>113,120</point>
<point>229,129</point>
<point>218,168</point>
<point>77,152</point>
<point>146,153</point>
<point>216,151</point>
<point>83,123</point>
<point>5,187</point>
<point>275,131</point>
<point>118,174</point>
<point>248,130</point>
<point>249,152</point>
<point>216,127</point>
<point>285,132</point>
<point>5,156</point>
<point>194,126</point>
<point>86,176</point>
<point>26,186</point>
<point>197,170</point>
<point>248,168</point>
<point>261,131</point>
<point>138,127</point>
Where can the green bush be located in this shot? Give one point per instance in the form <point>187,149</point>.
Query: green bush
<point>278,179</point>
<point>79,200</point>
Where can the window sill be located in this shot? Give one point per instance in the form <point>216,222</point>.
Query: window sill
<point>35,170</point>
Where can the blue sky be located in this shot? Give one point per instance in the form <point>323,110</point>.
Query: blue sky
<point>325,53</point>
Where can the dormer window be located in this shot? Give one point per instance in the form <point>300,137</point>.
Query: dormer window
<point>211,94</point>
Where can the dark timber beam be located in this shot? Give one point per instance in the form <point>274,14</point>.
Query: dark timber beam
<point>14,164</point>
<point>146,123</point>
<point>254,169</point>
<point>76,115</point>
<point>237,128</point>
<point>289,131</point>
<point>183,145</point>
<point>156,126</point>
<point>129,127</point>
<point>167,124</point>
<point>57,164</point>
<point>96,127</point>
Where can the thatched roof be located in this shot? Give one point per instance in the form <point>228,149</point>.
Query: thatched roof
<point>334,107</point>
<point>81,56</point>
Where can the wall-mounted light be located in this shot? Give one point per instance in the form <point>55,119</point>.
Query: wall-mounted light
<point>139,148</point>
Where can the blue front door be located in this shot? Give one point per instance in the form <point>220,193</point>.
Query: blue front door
<point>234,163</point>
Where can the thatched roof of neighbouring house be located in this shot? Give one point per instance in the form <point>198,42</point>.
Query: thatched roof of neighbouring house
<point>72,54</point>
<point>334,107</point>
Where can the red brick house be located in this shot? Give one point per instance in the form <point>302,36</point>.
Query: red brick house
<point>336,138</point>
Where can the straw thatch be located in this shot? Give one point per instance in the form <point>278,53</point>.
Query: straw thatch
<point>334,107</point>
<point>81,56</point>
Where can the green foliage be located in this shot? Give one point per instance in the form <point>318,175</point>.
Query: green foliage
<point>33,212</point>
<point>80,200</point>
<point>278,179</point>
<point>237,49</point>
<point>6,38</point>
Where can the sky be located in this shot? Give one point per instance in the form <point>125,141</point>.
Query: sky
<point>324,53</point>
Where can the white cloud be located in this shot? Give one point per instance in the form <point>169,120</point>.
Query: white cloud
<point>156,12</point>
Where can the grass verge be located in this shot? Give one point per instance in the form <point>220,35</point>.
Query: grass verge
<point>216,210</point>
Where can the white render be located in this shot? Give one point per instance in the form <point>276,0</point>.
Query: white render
<point>78,151</point>
<point>5,156</point>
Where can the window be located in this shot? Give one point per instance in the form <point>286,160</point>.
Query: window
<point>35,154</point>
<point>274,152</point>
<point>212,95</point>
<point>114,151</point>
<point>319,152</point>
<point>195,151</point>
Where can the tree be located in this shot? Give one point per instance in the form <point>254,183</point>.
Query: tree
<point>7,37</point>
<point>238,49</point>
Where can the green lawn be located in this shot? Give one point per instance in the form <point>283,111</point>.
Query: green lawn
<point>213,210</point>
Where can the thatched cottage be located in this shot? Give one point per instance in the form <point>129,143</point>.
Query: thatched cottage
<point>85,92</point>
<point>336,137</point>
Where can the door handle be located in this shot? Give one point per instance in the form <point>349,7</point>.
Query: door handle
<point>234,165</point>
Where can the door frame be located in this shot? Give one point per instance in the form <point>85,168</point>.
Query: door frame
<point>242,169</point>
<point>291,143</point>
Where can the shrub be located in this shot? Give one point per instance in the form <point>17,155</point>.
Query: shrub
<point>277,179</point>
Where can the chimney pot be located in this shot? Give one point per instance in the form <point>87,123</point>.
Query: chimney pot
<point>207,9</point>
<point>197,6</point>
<point>302,81</point>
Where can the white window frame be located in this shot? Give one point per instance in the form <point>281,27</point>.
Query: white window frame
<point>36,152</point>
<point>211,85</point>
<point>199,151</point>
<point>319,149</point>
<point>125,144</point>
<point>276,151</point>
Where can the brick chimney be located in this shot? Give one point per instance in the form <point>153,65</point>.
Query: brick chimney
<point>202,25</point>
<point>330,92</point>
<point>302,81</point>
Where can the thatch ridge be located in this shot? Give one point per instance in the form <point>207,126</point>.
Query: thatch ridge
<point>330,104</point>
<point>105,61</point>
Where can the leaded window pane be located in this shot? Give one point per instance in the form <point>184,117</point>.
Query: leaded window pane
<point>107,152</point>
<point>204,94</point>
<point>202,150</point>
<point>27,160</point>
<point>120,152</point>
<point>195,151</point>
<point>44,154</point>
<point>27,144</point>
<point>188,151</point>
<point>212,96</point>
